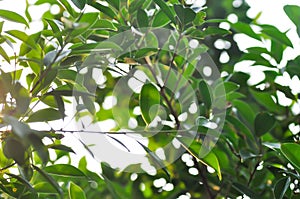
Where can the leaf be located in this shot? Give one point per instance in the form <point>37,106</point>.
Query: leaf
<point>12,16</point>
<point>53,57</point>
<point>185,15</point>
<point>293,12</point>
<point>75,192</point>
<point>43,187</point>
<point>44,115</point>
<point>142,18</point>
<point>4,55</point>
<point>51,180</point>
<point>293,67</point>
<point>281,187</point>
<point>200,18</point>
<point>104,9</point>
<point>23,181</point>
<point>160,19</point>
<point>40,148</point>
<point>291,152</point>
<point>61,147</point>
<point>56,30</point>
<point>14,149</point>
<point>79,3</point>
<point>205,94</point>
<point>114,3</point>
<point>149,101</point>
<point>166,9</point>
<point>274,33</point>
<point>18,128</point>
<point>156,159</point>
<point>68,7</point>
<point>246,29</point>
<point>263,123</point>
<point>23,37</point>
<point>64,170</point>
<point>245,110</point>
<point>244,190</point>
<point>212,160</point>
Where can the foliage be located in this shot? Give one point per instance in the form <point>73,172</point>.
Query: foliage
<point>255,154</point>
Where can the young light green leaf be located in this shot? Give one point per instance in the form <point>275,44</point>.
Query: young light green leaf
<point>75,192</point>
<point>291,151</point>
<point>79,3</point>
<point>212,160</point>
<point>44,115</point>
<point>149,102</point>
<point>263,123</point>
<point>4,54</point>
<point>23,37</point>
<point>12,16</point>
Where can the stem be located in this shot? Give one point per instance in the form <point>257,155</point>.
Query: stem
<point>7,167</point>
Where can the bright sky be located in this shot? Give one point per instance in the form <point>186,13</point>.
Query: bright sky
<point>272,13</point>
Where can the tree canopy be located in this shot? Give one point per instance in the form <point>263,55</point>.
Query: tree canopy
<point>142,88</point>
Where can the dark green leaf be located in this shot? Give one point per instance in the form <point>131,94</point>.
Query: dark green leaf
<point>79,3</point>
<point>245,110</point>
<point>75,192</point>
<point>149,102</point>
<point>205,94</point>
<point>14,149</point>
<point>185,15</point>
<point>166,9</point>
<point>12,16</point>
<point>293,12</point>
<point>291,151</point>
<point>40,148</point>
<point>281,187</point>
<point>106,10</point>
<point>44,115</point>
<point>142,18</point>
<point>114,3</point>
<point>274,33</point>
<point>19,129</point>
<point>56,30</point>
<point>160,19</point>
<point>263,123</point>
<point>61,147</point>
<point>241,27</point>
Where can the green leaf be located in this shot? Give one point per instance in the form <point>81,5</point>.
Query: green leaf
<point>75,192</point>
<point>241,27</point>
<point>12,16</point>
<point>263,123</point>
<point>23,181</point>
<point>245,190</point>
<point>68,7</point>
<point>4,55</point>
<point>56,30</point>
<point>199,19</point>
<point>212,160</point>
<point>22,98</point>
<point>156,159</point>
<point>293,67</point>
<point>14,149</point>
<point>18,128</point>
<point>293,12</point>
<point>51,180</point>
<point>142,18</point>
<point>79,3</point>
<point>104,24</point>
<point>114,3</point>
<point>275,34</point>
<point>160,19</point>
<point>64,170</point>
<point>281,187</point>
<point>53,57</point>
<point>149,101</point>
<point>166,9</point>
<point>291,152</point>
<point>245,110</point>
<point>205,94</point>
<point>23,37</point>
<point>44,115</point>
<point>185,15</point>
<point>40,148</point>
<point>61,147</point>
<point>43,187</point>
<point>104,9</point>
